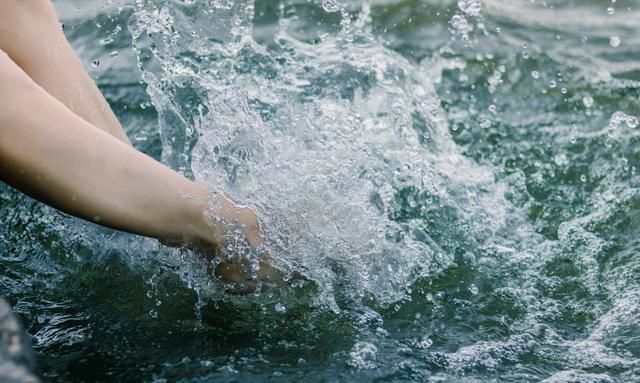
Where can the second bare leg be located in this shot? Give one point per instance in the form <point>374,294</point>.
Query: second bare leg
<point>31,35</point>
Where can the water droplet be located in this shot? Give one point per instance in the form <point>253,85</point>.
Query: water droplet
<point>587,101</point>
<point>153,314</point>
<point>363,355</point>
<point>535,74</point>
<point>470,7</point>
<point>114,54</point>
<point>222,4</point>
<point>485,124</point>
<point>611,10</point>
<point>583,178</point>
<point>331,6</point>
<point>473,289</point>
<point>106,41</point>
<point>552,84</point>
<point>492,108</point>
<point>459,23</point>
<point>560,159</point>
<point>141,136</point>
<point>632,122</point>
<point>615,41</point>
<point>280,308</point>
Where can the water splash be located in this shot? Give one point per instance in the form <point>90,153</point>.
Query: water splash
<point>325,141</point>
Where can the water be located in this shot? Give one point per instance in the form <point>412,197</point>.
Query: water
<point>457,180</point>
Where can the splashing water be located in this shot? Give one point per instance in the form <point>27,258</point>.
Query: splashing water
<point>321,140</point>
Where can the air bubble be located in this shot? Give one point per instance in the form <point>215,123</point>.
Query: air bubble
<point>535,74</point>
<point>587,101</point>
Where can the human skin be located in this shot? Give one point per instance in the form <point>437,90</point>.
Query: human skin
<point>31,34</point>
<point>61,143</point>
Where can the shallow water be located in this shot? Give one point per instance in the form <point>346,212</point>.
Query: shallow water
<point>456,179</point>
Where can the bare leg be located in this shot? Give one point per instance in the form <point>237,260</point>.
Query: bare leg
<point>31,35</point>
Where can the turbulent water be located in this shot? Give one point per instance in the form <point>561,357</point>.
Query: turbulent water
<point>457,181</point>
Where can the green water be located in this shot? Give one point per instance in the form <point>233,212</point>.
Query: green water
<point>458,184</point>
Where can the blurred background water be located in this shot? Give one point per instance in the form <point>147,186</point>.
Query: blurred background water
<point>456,179</point>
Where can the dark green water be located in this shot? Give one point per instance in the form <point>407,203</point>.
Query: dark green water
<point>458,184</point>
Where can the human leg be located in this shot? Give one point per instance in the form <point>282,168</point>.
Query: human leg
<point>31,35</point>
<point>60,159</point>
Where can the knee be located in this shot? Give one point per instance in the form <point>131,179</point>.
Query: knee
<point>24,24</point>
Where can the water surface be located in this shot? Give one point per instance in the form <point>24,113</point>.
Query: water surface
<point>456,179</point>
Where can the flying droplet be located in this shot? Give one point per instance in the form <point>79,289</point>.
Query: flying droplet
<point>470,7</point>
<point>459,23</point>
<point>632,122</point>
<point>331,6</point>
<point>141,136</point>
<point>615,41</point>
<point>560,159</point>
